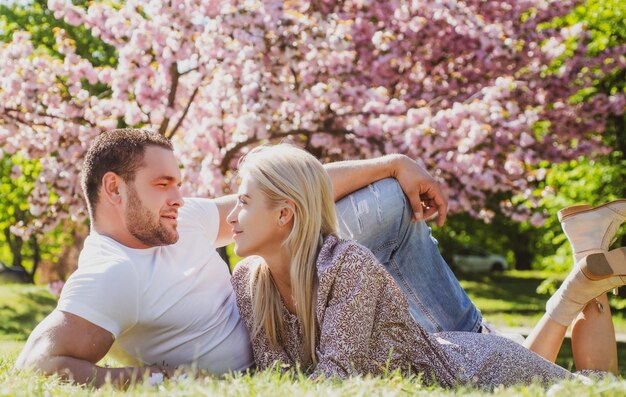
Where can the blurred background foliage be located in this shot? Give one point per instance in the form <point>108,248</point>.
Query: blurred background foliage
<point>20,256</point>
<point>20,259</point>
<point>576,182</point>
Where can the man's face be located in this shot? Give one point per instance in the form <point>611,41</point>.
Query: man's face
<point>153,199</point>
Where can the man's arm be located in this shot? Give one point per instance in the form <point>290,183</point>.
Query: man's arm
<point>225,205</point>
<point>419,186</point>
<point>70,346</point>
<point>423,191</point>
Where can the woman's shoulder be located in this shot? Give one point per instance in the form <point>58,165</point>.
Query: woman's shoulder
<point>243,271</point>
<point>344,268</point>
<point>337,253</point>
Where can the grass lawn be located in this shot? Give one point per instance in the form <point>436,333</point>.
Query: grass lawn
<point>272,383</point>
<point>507,299</point>
<point>510,300</point>
<point>21,308</point>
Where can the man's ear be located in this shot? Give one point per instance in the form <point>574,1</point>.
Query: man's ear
<point>112,188</point>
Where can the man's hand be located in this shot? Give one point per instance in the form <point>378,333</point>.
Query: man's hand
<point>421,188</point>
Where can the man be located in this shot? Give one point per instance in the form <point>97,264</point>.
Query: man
<point>151,289</point>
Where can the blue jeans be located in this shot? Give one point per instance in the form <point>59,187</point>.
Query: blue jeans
<point>379,217</point>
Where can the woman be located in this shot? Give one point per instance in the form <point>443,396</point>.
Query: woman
<point>313,300</point>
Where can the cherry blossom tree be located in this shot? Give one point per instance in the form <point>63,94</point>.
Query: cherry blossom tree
<point>478,92</point>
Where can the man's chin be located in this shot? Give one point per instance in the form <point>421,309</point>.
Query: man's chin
<point>167,239</point>
<point>169,234</point>
<point>173,239</point>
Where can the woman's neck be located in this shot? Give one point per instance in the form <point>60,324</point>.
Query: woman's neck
<point>280,268</point>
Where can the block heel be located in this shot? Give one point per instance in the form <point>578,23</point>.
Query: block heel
<point>603,265</point>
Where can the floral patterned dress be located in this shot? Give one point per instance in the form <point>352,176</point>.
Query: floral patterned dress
<point>365,328</point>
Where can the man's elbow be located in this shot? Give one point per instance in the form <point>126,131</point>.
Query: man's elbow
<point>28,357</point>
<point>35,362</point>
<point>22,361</point>
<point>41,363</point>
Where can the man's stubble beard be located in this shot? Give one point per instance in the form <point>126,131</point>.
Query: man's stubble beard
<point>141,223</point>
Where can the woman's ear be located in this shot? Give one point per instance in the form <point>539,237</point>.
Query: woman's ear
<point>112,188</point>
<point>286,213</point>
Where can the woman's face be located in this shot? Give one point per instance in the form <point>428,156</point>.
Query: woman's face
<point>255,223</point>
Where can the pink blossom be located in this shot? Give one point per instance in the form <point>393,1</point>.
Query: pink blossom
<point>55,287</point>
<point>417,116</point>
<point>459,86</point>
<point>537,220</point>
<point>56,5</point>
<point>16,171</point>
<point>514,167</point>
<point>526,140</point>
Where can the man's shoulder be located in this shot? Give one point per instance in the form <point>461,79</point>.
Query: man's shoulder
<point>195,205</point>
<point>99,249</point>
<point>105,260</point>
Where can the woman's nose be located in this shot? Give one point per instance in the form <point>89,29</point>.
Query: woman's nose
<point>232,216</point>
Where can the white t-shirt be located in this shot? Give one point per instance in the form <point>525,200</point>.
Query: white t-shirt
<point>167,305</point>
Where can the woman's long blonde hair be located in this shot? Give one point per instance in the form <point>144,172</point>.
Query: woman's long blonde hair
<point>284,172</point>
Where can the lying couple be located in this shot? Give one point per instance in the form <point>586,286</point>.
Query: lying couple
<point>151,289</point>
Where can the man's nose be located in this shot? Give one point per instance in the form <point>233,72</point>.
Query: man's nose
<point>177,199</point>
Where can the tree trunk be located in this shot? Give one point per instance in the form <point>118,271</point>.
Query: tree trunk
<point>523,259</point>
<point>522,252</point>
<point>15,244</point>
<point>36,256</point>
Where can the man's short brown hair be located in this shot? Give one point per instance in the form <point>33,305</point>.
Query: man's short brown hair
<point>120,151</point>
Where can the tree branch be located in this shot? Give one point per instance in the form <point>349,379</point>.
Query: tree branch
<point>189,71</point>
<point>77,120</point>
<point>230,154</point>
<point>182,117</point>
<point>171,97</point>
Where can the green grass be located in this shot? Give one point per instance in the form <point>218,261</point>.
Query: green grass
<point>507,299</point>
<point>511,300</point>
<point>271,383</point>
<point>22,307</point>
